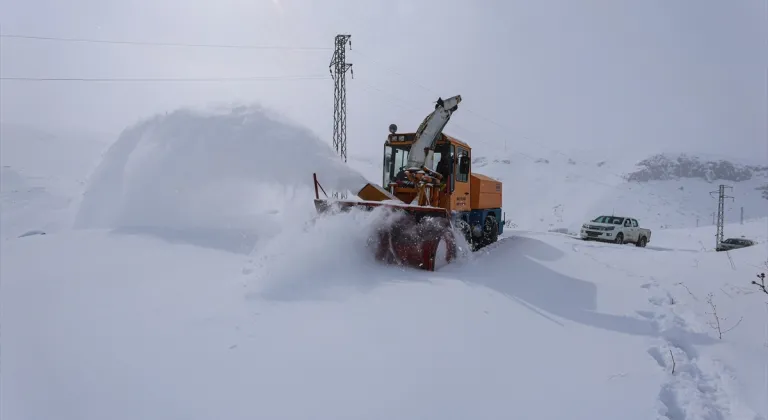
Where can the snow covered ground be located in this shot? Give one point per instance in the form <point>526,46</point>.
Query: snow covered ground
<point>159,307</point>
<point>553,190</point>
<point>42,176</point>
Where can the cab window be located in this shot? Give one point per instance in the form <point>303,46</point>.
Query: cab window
<point>395,160</point>
<point>462,165</point>
<point>443,163</point>
<point>453,161</point>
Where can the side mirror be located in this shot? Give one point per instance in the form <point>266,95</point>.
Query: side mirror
<point>464,164</point>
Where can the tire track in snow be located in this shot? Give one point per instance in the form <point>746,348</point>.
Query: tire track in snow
<point>699,387</point>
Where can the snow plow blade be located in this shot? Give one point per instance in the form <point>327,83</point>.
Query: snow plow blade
<point>418,236</point>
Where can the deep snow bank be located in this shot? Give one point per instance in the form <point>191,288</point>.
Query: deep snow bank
<point>59,157</point>
<point>537,315</point>
<point>240,169</point>
<point>726,378</point>
<point>558,193</point>
<point>43,173</point>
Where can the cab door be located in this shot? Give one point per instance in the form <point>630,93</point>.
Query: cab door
<point>460,196</point>
<point>627,231</point>
<point>635,230</point>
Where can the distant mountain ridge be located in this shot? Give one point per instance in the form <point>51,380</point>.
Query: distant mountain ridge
<point>663,167</point>
<point>561,190</point>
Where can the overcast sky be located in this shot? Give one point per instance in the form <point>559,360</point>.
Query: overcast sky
<point>645,75</point>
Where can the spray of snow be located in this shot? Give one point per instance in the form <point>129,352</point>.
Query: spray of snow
<point>240,169</point>
<point>330,256</point>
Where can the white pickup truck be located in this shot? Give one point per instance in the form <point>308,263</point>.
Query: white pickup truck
<point>616,229</point>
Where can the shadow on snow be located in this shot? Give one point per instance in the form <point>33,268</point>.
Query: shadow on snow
<point>238,241</point>
<point>512,267</point>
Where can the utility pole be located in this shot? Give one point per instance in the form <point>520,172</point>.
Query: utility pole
<point>720,211</point>
<point>338,68</point>
<point>742,215</point>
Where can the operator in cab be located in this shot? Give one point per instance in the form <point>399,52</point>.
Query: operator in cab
<point>444,166</point>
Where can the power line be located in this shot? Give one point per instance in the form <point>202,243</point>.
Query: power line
<point>162,44</point>
<point>246,79</point>
<point>477,114</point>
<point>406,105</point>
<point>479,138</point>
<point>165,80</point>
<point>466,108</point>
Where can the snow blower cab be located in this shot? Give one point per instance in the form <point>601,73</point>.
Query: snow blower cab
<point>428,180</point>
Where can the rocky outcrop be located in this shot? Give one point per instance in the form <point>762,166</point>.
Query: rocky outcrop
<point>664,167</point>
<point>764,190</point>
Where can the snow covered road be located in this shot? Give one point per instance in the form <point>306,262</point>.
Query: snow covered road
<point>200,285</point>
<point>123,326</point>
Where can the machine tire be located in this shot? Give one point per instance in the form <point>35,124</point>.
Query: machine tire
<point>642,242</point>
<point>620,239</point>
<point>466,230</point>
<point>490,231</point>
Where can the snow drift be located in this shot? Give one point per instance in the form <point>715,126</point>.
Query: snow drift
<point>170,333</point>
<point>561,193</point>
<point>555,191</point>
<point>42,175</point>
<point>239,169</point>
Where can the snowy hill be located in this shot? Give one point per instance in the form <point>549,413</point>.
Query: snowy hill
<point>664,167</point>
<point>559,192</point>
<point>179,332</point>
<point>199,283</point>
<point>42,175</point>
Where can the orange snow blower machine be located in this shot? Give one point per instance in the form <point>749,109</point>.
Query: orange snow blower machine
<point>428,181</point>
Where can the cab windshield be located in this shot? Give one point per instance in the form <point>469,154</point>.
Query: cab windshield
<point>395,159</point>
<point>611,220</point>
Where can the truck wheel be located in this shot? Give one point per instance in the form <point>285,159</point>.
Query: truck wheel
<point>466,230</point>
<point>641,243</point>
<point>620,239</point>
<point>490,231</point>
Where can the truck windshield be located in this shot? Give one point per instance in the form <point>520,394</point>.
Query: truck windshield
<point>611,220</point>
<point>395,159</point>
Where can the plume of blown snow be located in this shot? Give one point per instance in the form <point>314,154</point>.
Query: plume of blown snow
<point>330,256</point>
<point>329,253</point>
<point>235,168</point>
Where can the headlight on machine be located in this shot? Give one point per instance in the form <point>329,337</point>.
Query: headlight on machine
<point>610,228</point>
